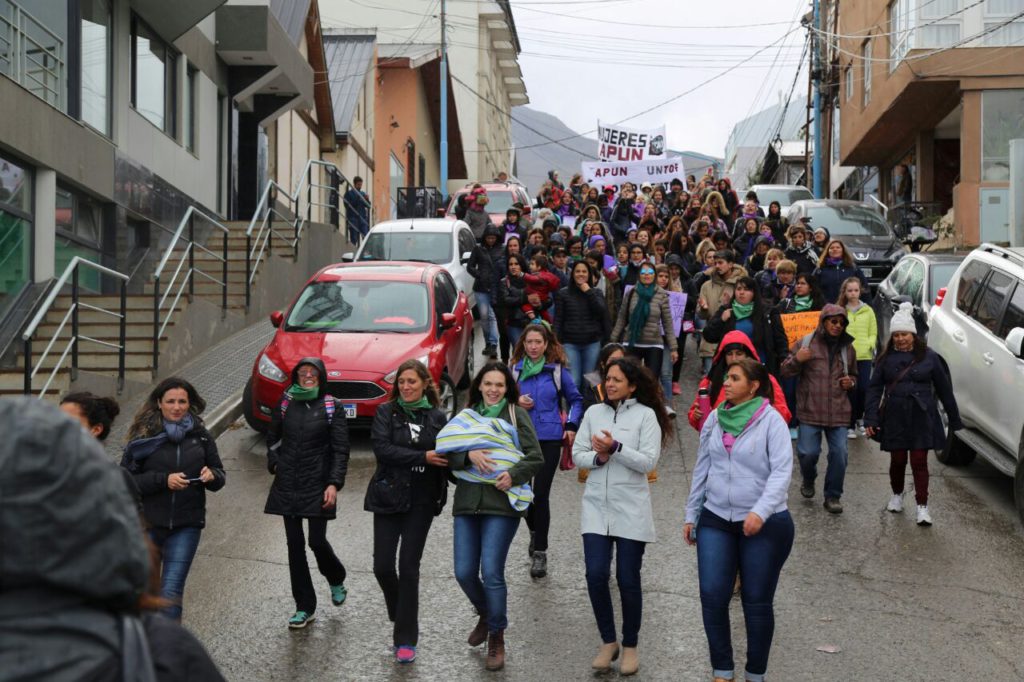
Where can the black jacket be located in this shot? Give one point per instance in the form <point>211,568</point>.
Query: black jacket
<point>581,318</point>
<point>391,488</point>
<point>483,263</point>
<point>769,337</point>
<point>166,508</point>
<point>306,453</point>
<point>623,217</point>
<point>511,298</point>
<point>806,259</point>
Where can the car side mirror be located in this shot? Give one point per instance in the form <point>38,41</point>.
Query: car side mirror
<point>276,318</point>
<point>447,320</point>
<point>466,255</point>
<point>1015,342</point>
<point>348,257</point>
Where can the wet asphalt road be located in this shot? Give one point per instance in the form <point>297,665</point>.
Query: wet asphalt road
<point>898,601</point>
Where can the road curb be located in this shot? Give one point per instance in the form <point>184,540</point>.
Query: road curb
<point>225,414</point>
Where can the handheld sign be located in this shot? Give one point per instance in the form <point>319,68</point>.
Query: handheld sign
<point>799,325</point>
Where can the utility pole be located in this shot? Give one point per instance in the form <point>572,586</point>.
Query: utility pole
<point>444,104</point>
<point>816,75</point>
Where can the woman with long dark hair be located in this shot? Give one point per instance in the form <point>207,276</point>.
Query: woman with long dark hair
<point>619,442</point>
<point>761,324</point>
<point>644,322</point>
<point>513,298</point>
<point>582,322</point>
<point>806,296</point>
<point>174,461</point>
<point>737,515</point>
<point>835,266</point>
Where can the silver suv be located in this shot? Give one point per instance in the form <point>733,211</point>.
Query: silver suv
<point>977,325</point>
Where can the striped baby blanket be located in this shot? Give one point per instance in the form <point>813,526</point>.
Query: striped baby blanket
<point>471,431</point>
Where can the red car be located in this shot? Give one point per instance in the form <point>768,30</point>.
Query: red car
<point>501,194</point>
<point>363,320</point>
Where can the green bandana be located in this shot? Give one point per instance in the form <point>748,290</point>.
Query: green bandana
<point>735,418</point>
<point>531,368</point>
<point>642,310</point>
<point>410,408</point>
<point>742,310</point>
<point>803,303</point>
<point>493,411</point>
<point>297,392</point>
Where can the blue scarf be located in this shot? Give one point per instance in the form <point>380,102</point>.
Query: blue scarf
<point>173,432</point>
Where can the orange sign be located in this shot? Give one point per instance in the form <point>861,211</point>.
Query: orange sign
<point>799,325</point>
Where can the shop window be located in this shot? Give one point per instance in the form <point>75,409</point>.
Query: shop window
<point>1002,120</point>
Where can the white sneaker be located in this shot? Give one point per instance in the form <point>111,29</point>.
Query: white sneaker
<point>895,504</point>
<point>923,517</point>
<point>851,434</point>
<point>670,412</point>
<point>860,428</point>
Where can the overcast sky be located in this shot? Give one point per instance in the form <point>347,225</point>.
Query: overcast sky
<point>611,59</point>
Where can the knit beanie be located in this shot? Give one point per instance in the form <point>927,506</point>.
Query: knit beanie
<point>903,320</point>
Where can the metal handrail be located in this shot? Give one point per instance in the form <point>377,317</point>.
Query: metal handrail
<point>189,273</point>
<point>71,272</point>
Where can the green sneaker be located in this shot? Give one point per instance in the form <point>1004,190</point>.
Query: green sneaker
<point>300,620</point>
<point>338,594</point>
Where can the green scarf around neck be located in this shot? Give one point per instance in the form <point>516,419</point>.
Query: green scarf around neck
<point>734,418</point>
<point>297,392</point>
<point>410,408</point>
<point>742,310</point>
<point>493,411</point>
<point>638,318</point>
<point>803,303</point>
<point>531,368</point>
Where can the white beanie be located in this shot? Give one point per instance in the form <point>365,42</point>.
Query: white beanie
<point>903,320</point>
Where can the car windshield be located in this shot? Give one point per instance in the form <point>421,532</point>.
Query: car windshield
<point>499,201</point>
<point>941,273</point>
<point>856,221</point>
<point>785,197</point>
<point>360,306</point>
<point>425,247</point>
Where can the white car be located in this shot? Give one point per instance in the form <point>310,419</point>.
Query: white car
<point>448,243</point>
<point>977,326</point>
<point>786,195</point>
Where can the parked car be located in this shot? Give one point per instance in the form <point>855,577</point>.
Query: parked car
<point>786,195</point>
<point>364,320</point>
<point>866,235</point>
<point>917,278</point>
<point>501,196</point>
<point>432,240</point>
<point>977,325</point>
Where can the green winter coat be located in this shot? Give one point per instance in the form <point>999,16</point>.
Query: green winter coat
<point>864,329</point>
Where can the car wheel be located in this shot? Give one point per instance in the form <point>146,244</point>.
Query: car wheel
<point>467,372</point>
<point>954,452</point>
<point>449,396</point>
<point>248,412</point>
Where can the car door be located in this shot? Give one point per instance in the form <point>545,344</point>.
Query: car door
<point>1008,371</point>
<point>986,386</point>
<point>445,298</point>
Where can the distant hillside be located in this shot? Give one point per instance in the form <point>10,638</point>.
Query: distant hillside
<point>534,162</point>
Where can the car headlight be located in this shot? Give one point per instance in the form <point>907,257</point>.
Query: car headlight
<point>270,370</point>
<point>390,377</point>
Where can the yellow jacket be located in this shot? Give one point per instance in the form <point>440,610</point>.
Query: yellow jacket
<point>864,329</point>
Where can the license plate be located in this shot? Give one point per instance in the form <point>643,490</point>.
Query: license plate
<point>350,411</point>
<point>866,271</point>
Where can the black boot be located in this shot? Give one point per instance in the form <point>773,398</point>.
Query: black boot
<point>539,567</point>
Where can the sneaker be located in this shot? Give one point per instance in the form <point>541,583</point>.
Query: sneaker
<point>338,594</point>
<point>405,654</point>
<point>860,428</point>
<point>851,434</point>
<point>490,351</point>
<point>923,517</point>
<point>895,503</point>
<point>539,566</point>
<point>807,489</point>
<point>300,620</point>
<point>670,412</point>
<point>676,388</point>
<point>794,434</point>
<point>833,505</point>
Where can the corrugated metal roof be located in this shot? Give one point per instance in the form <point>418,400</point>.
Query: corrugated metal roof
<point>291,14</point>
<point>348,59</point>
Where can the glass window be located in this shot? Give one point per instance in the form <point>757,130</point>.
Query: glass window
<point>466,242</point>
<point>360,307</point>
<point>154,81</point>
<point>940,275</point>
<point>15,186</point>
<point>970,282</point>
<point>1002,120</point>
<point>448,285</point>
<point>866,54</point>
<point>900,24</point>
<point>15,232</point>
<point>1014,315</point>
<point>990,302</point>
<point>190,107</point>
<point>850,220</point>
<point>423,247</point>
<point>443,300</point>
<point>899,275</point>
<point>96,50</point>
<point>915,282</point>
<point>848,75</point>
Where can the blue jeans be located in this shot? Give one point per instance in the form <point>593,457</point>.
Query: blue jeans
<point>481,547</point>
<point>488,319</point>
<point>808,448</point>
<point>513,335</point>
<point>666,376</point>
<point>177,549</point>
<point>582,359</point>
<point>789,391</point>
<point>722,549</point>
<point>629,557</point>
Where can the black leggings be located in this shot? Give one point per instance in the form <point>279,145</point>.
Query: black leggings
<point>298,568</point>
<point>538,518</point>
<point>650,358</point>
<point>402,588</point>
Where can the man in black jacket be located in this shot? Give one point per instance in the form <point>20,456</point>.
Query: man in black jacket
<point>483,267</point>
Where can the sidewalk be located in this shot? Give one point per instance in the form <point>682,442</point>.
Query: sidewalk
<point>219,375</point>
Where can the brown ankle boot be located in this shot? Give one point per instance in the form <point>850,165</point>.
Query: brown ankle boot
<point>630,662</point>
<point>479,634</point>
<point>605,655</point>
<point>496,650</point>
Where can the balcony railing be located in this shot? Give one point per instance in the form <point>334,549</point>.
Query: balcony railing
<point>419,202</point>
<point>32,55</point>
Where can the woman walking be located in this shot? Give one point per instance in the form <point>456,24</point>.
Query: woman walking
<point>738,517</point>
<point>307,452</point>
<point>492,450</point>
<point>174,461</point>
<point>863,328</point>
<point>582,321</point>
<point>644,324</point>
<point>538,363</point>
<point>619,442</point>
<point>834,267</point>
<point>761,324</point>
<point>908,382</point>
<point>407,491</point>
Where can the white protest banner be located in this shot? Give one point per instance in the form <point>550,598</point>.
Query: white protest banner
<point>600,174</point>
<point>618,143</point>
